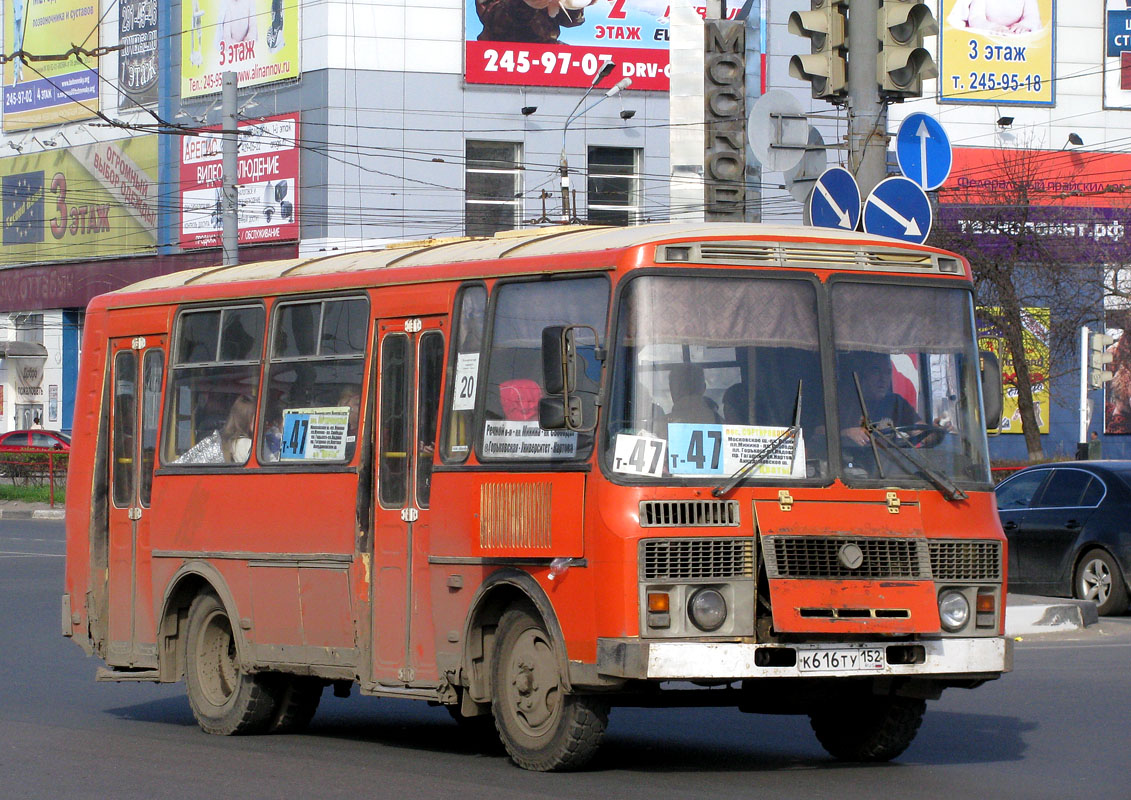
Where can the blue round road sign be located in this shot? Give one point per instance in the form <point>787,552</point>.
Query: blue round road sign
<point>835,200</point>
<point>923,151</point>
<point>900,209</point>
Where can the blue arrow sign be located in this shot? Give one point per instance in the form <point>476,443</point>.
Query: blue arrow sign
<point>835,200</point>
<point>900,209</point>
<point>923,151</point>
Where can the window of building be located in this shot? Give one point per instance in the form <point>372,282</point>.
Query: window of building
<point>493,187</point>
<point>27,328</point>
<point>213,387</point>
<point>614,185</point>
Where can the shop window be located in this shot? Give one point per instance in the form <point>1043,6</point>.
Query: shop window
<point>493,187</point>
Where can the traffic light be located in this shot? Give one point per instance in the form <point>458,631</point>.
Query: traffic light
<point>1100,372</point>
<point>825,66</point>
<point>903,62</point>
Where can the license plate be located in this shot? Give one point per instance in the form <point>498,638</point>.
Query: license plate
<point>841,659</point>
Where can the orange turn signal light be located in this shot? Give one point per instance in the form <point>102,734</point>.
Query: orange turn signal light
<point>658,602</point>
<point>985,603</point>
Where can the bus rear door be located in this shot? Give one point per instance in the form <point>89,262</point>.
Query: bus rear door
<point>411,355</point>
<point>137,369</point>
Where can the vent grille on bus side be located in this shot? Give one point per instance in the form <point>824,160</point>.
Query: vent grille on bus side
<point>753,254</point>
<point>964,560</point>
<point>688,513</point>
<point>820,557</point>
<point>696,559</point>
<point>514,515</point>
<point>792,255</point>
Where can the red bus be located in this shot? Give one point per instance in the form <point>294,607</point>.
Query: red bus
<point>536,476</point>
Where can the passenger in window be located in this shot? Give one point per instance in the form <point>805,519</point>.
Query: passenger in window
<point>519,398</point>
<point>273,433</point>
<point>350,397</point>
<point>688,389</point>
<point>235,437</point>
<point>736,405</point>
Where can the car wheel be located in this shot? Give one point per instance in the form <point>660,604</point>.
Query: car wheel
<point>1099,579</point>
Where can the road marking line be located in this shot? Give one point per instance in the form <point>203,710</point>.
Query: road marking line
<point>16,554</point>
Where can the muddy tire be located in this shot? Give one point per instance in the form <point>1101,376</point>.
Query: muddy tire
<point>225,700</point>
<point>297,700</point>
<point>872,728</point>
<point>1099,579</point>
<point>542,727</point>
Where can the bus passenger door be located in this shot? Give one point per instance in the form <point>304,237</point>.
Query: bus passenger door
<point>411,355</point>
<point>138,367</point>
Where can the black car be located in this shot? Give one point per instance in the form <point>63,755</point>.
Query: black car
<point>1069,531</point>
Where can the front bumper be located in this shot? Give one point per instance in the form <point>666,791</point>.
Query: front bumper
<point>980,658</point>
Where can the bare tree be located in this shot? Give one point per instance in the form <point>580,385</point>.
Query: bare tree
<point>1028,248</point>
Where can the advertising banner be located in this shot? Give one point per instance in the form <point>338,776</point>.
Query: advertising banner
<point>90,201</point>
<point>1117,55</point>
<point>565,42</point>
<point>49,92</point>
<point>1035,322</point>
<point>998,52</point>
<point>137,61</point>
<point>256,39</point>
<point>267,180</point>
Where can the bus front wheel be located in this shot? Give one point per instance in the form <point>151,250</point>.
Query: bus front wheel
<point>225,700</point>
<point>542,727</point>
<point>873,728</point>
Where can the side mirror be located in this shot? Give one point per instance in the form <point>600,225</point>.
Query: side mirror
<point>571,376</point>
<point>991,388</point>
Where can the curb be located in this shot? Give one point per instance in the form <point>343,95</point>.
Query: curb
<point>1030,615</point>
<point>49,513</point>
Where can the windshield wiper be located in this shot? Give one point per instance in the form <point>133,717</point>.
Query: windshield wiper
<point>878,435</point>
<point>759,458</point>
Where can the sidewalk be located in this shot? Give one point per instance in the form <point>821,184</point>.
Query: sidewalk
<point>1024,614</point>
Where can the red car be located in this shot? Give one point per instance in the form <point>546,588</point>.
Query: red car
<point>23,441</point>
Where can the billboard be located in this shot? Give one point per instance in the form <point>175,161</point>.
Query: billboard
<point>267,183</point>
<point>49,92</point>
<point>137,60</point>
<point>89,201</point>
<point>997,52</point>
<point>1117,55</point>
<point>1035,322</point>
<point>256,39</point>
<point>565,42</point>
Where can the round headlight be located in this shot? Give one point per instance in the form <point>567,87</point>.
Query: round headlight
<point>707,609</point>
<point>954,610</point>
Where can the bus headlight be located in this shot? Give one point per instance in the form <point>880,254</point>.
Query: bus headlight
<point>707,609</point>
<point>954,610</point>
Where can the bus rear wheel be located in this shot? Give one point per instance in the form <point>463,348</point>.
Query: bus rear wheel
<point>298,698</point>
<point>542,727</point>
<point>874,728</point>
<point>225,700</point>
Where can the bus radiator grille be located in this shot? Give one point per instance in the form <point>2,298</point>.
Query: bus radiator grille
<point>696,559</point>
<point>845,557</point>
<point>689,514</point>
<point>966,560</point>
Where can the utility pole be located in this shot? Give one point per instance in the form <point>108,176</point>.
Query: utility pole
<point>230,164</point>
<point>867,113</point>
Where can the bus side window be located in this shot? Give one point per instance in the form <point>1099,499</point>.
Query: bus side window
<point>463,372</point>
<point>431,362</point>
<point>314,375</point>
<point>215,363</point>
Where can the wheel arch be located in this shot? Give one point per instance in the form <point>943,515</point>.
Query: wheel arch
<point>187,583</point>
<point>502,589</point>
<point>1078,559</point>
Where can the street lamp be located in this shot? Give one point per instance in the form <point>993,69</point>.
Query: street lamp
<point>576,114</point>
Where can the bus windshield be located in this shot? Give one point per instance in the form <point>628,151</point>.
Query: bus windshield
<point>711,373</point>
<point>907,384</point>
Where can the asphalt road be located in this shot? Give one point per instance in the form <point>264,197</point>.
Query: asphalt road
<point>1056,727</point>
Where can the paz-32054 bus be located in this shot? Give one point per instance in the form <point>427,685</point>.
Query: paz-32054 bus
<point>543,474</point>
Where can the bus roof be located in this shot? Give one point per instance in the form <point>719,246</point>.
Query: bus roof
<point>526,243</point>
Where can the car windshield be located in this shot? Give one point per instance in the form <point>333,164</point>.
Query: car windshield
<point>907,384</point>
<point>711,373</point>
